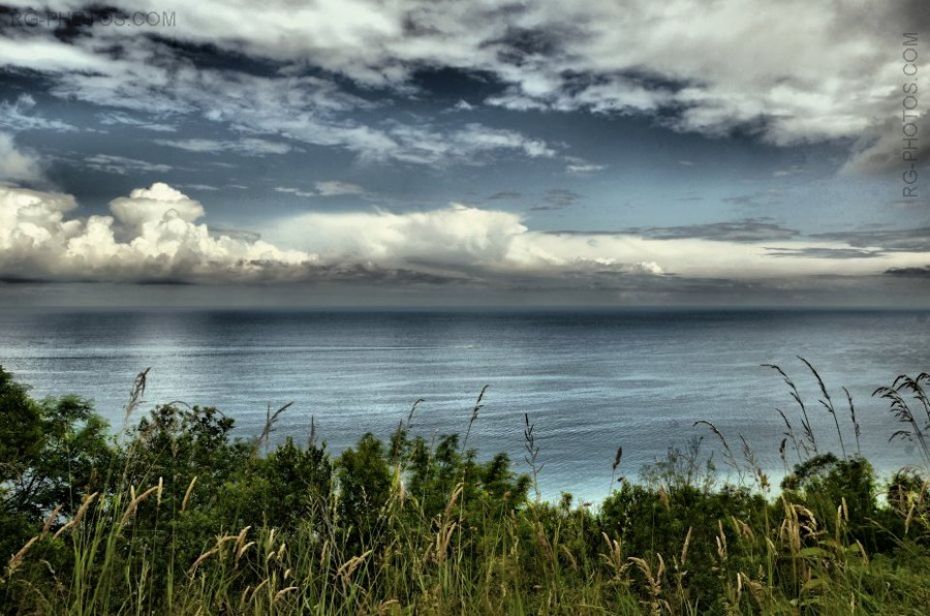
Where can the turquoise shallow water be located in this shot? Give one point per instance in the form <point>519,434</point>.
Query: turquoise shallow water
<point>589,380</point>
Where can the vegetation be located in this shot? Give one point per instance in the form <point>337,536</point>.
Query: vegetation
<point>175,516</point>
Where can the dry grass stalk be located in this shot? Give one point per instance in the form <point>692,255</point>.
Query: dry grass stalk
<point>187,493</point>
<point>447,526</point>
<point>81,512</point>
<point>260,585</point>
<point>135,396</point>
<point>50,520</point>
<point>16,560</point>
<point>134,504</point>
<point>857,430</point>
<point>614,557</point>
<point>618,458</point>
<point>270,420</point>
<point>474,415</point>
<point>200,560</point>
<point>810,443</point>
<point>532,453</point>
<point>351,566</point>
<point>654,583</point>
<point>827,403</point>
<point>728,455</point>
<point>281,594</point>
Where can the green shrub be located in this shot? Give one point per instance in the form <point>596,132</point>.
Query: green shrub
<point>177,516</point>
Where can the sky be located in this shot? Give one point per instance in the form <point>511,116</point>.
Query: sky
<point>362,153</point>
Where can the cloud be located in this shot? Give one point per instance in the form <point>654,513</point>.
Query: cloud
<point>756,199</point>
<point>160,201</point>
<point>880,149</point>
<point>151,76</point>
<point>557,199</point>
<point>161,240</point>
<point>691,257</point>
<point>497,245</point>
<point>458,237</point>
<point>122,165</point>
<point>122,119</point>
<point>329,188</point>
<point>826,253</point>
<point>745,230</point>
<point>477,138</point>
<point>334,188</point>
<point>290,190</point>
<point>505,195</point>
<point>913,239</point>
<point>788,171</point>
<point>472,144</point>
<point>909,272</point>
<point>821,75</point>
<point>156,234</point>
<point>830,72</point>
<point>17,164</point>
<point>582,168</point>
<point>246,147</point>
<point>17,116</point>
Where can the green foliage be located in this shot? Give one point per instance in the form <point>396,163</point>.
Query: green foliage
<point>824,481</point>
<point>21,436</point>
<point>51,452</point>
<point>290,485</point>
<point>178,516</point>
<point>364,489</point>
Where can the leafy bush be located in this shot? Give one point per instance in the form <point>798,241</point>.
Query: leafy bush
<point>175,515</point>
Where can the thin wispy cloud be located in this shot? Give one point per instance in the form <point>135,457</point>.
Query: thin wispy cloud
<point>18,115</point>
<point>123,165</point>
<point>327,188</point>
<point>246,147</point>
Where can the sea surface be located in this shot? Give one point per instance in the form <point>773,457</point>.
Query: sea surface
<point>590,381</point>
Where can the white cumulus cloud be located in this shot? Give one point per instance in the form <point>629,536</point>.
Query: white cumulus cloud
<point>153,234</point>
<point>17,164</point>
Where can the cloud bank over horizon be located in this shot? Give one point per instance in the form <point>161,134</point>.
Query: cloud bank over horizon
<point>156,234</point>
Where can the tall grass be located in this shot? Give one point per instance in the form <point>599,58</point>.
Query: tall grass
<point>186,520</point>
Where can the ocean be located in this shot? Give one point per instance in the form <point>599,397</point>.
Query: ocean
<point>591,381</point>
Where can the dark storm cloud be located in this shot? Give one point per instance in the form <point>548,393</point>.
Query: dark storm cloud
<point>14,279</point>
<point>371,274</point>
<point>909,272</point>
<point>166,281</point>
